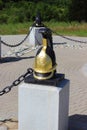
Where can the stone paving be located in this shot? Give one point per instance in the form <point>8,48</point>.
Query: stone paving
<point>71,58</point>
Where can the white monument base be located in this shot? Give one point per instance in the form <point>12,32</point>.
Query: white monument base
<point>44,107</point>
<point>35,38</point>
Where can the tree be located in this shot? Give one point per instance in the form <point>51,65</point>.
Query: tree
<point>1,4</point>
<point>78,10</point>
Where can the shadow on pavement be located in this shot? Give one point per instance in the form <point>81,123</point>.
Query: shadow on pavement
<point>62,43</point>
<point>78,122</point>
<point>14,59</point>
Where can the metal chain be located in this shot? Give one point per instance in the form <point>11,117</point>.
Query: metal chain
<point>70,39</point>
<point>21,41</point>
<point>16,44</point>
<point>16,82</point>
<point>8,89</point>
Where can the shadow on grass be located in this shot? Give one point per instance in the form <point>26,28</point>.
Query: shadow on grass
<point>14,59</point>
<point>78,122</point>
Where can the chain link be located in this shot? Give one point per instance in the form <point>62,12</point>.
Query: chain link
<point>16,82</point>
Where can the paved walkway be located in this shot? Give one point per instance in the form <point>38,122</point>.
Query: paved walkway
<point>71,58</point>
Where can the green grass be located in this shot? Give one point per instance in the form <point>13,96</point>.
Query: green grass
<point>17,28</point>
<point>71,29</point>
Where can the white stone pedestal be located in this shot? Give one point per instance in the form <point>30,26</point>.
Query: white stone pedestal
<point>44,107</point>
<point>35,38</point>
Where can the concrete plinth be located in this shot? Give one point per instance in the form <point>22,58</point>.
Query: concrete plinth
<point>44,107</point>
<point>35,37</point>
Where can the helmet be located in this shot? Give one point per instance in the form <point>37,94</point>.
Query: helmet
<point>45,65</point>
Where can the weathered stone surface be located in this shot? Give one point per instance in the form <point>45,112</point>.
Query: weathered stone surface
<point>3,127</point>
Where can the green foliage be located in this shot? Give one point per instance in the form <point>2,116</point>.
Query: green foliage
<point>1,4</point>
<point>3,18</point>
<point>14,11</point>
<point>78,10</point>
<point>24,11</point>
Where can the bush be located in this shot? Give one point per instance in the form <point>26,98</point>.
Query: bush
<point>4,18</point>
<point>78,10</point>
<point>24,11</point>
<point>1,4</point>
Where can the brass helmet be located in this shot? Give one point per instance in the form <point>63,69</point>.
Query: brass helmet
<point>45,61</point>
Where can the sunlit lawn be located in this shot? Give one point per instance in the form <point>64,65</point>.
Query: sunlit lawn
<point>73,28</point>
